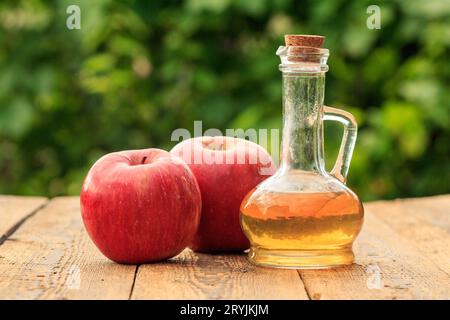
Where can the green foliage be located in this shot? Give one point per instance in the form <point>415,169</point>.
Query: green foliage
<point>137,70</point>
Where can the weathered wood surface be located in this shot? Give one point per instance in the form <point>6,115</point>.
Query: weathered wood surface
<point>51,257</point>
<point>203,276</point>
<point>403,252</point>
<point>15,210</point>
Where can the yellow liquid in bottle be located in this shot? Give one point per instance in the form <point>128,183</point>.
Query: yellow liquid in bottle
<point>301,230</point>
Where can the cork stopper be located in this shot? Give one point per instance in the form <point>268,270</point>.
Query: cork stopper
<point>304,48</point>
<point>304,40</point>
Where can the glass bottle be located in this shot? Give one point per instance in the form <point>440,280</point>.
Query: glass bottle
<point>304,216</point>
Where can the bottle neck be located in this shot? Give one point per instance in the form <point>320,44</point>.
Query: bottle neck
<point>302,139</point>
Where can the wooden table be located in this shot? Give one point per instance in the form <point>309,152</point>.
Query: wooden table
<point>403,252</point>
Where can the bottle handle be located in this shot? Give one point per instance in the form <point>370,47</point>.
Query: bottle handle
<point>344,157</point>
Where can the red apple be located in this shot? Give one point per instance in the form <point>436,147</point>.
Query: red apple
<point>140,205</point>
<point>226,169</point>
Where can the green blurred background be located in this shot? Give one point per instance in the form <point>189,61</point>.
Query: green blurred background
<point>137,70</point>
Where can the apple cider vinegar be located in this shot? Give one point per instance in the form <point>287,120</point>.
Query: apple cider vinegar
<point>303,216</point>
<point>310,222</point>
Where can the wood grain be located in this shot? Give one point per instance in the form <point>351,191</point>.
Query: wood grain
<point>15,210</point>
<point>389,264</point>
<point>51,257</point>
<point>422,224</point>
<point>203,276</point>
<point>435,210</point>
<point>402,253</point>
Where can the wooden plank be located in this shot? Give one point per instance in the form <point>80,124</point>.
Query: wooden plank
<point>203,276</point>
<point>435,210</point>
<point>51,257</point>
<point>416,221</point>
<point>15,210</point>
<point>387,266</point>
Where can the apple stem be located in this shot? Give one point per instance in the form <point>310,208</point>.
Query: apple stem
<point>143,160</point>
